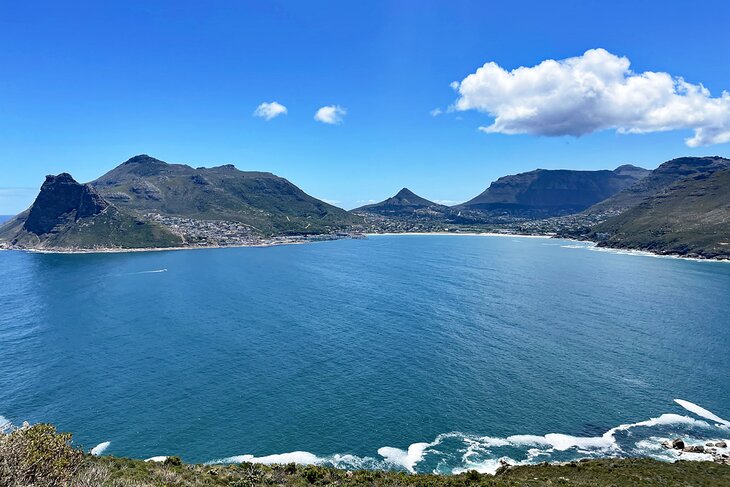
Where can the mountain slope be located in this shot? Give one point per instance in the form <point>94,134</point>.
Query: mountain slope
<point>265,202</point>
<point>659,179</point>
<point>69,215</point>
<point>544,193</point>
<point>404,203</point>
<point>691,217</point>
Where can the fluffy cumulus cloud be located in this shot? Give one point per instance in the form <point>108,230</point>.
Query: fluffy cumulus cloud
<point>592,92</point>
<point>331,114</point>
<point>268,111</point>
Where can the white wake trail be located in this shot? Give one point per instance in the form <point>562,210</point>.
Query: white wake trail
<point>702,412</point>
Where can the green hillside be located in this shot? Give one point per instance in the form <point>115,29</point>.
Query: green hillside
<point>271,205</point>
<point>691,217</point>
<point>660,178</point>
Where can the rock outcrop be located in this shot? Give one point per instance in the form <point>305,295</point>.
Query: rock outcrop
<point>62,200</point>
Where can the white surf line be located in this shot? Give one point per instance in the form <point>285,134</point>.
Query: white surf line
<point>5,424</point>
<point>702,412</point>
<point>156,459</point>
<point>99,449</point>
<point>407,459</point>
<point>542,445</point>
<point>298,457</point>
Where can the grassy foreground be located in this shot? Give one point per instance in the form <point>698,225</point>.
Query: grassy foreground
<point>108,471</point>
<point>39,456</point>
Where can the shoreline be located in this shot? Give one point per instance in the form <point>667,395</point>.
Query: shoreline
<point>590,244</point>
<point>465,234</point>
<point>119,250</point>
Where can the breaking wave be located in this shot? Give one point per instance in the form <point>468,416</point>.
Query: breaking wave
<point>5,424</point>
<point>99,449</point>
<point>637,253</point>
<point>457,452</point>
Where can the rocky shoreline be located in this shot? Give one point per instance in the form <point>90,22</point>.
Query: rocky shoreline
<point>709,448</point>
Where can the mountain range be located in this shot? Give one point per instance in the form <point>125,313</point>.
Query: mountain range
<point>545,193</point>
<point>689,217</point>
<point>658,180</point>
<point>145,202</point>
<point>680,207</point>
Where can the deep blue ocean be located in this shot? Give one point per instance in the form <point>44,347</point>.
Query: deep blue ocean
<point>407,352</point>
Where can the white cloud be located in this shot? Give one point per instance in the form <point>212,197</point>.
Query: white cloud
<point>331,114</point>
<point>589,93</point>
<point>436,112</point>
<point>267,111</point>
<point>446,202</point>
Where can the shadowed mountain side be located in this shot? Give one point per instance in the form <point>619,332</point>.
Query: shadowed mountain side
<point>659,179</point>
<point>691,217</point>
<point>70,215</point>
<point>544,193</point>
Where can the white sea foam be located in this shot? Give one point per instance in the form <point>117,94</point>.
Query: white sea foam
<point>701,412</point>
<point>406,459</point>
<point>99,449</point>
<point>486,454</point>
<point>299,457</point>
<point>638,253</point>
<point>156,459</point>
<point>5,424</point>
<point>489,466</point>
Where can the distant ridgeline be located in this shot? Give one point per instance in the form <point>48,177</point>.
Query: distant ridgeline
<point>689,216</point>
<point>682,207</point>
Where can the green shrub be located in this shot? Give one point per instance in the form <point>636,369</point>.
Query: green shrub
<point>313,473</point>
<point>37,455</point>
<point>173,461</point>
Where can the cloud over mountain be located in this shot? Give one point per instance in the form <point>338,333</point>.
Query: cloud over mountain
<point>592,92</point>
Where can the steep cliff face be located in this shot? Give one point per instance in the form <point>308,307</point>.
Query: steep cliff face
<point>62,200</point>
<point>69,215</point>
<point>543,193</point>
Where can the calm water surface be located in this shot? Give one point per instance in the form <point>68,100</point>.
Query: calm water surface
<point>412,352</point>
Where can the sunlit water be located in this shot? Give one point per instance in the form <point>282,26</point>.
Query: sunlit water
<point>407,352</point>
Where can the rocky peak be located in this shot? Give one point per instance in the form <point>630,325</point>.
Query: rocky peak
<point>143,159</point>
<point>62,199</point>
<point>406,194</point>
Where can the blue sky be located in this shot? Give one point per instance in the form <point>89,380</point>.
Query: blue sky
<point>86,85</point>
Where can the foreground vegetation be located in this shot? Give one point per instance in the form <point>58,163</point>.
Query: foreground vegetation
<point>39,456</point>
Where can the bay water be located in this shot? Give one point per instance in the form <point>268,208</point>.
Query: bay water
<point>420,353</point>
